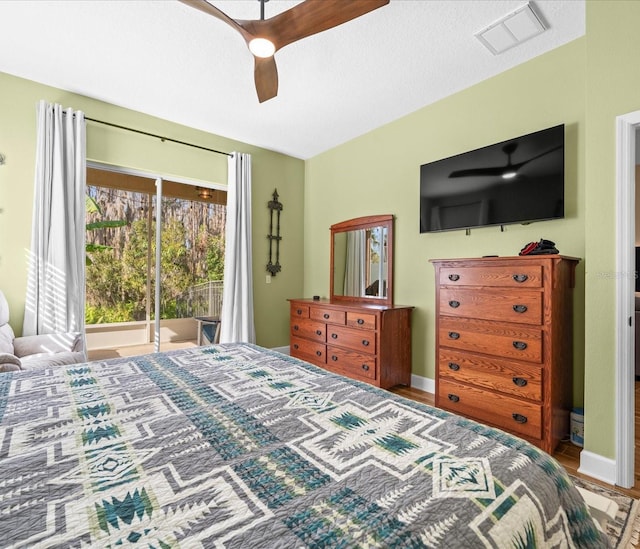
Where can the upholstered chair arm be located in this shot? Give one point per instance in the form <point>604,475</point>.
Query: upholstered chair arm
<point>9,363</point>
<point>47,343</point>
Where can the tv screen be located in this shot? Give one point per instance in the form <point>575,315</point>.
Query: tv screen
<point>516,181</point>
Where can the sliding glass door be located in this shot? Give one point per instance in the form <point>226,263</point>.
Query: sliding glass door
<point>155,252</point>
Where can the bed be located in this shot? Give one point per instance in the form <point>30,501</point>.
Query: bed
<point>238,446</point>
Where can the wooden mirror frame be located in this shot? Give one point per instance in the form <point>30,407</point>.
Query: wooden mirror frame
<point>367,222</point>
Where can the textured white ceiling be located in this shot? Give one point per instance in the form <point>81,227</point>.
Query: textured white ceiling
<point>166,59</point>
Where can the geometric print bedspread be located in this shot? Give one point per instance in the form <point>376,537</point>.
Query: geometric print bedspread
<point>241,447</point>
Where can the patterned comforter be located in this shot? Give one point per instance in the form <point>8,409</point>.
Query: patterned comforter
<point>238,446</point>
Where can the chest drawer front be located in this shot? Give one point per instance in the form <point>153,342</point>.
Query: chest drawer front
<point>516,276</point>
<point>517,379</point>
<point>299,311</point>
<point>503,340</point>
<point>309,329</point>
<point>363,341</point>
<point>361,320</point>
<point>350,363</point>
<point>308,350</point>
<point>523,306</point>
<point>518,416</point>
<point>327,315</point>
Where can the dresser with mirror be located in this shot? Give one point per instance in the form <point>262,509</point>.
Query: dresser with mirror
<point>358,331</point>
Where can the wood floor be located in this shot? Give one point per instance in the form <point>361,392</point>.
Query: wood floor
<point>567,454</point>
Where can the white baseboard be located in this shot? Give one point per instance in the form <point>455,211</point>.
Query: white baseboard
<point>423,383</point>
<point>283,350</point>
<point>598,467</point>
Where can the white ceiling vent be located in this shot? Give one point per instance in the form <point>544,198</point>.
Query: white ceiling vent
<point>511,30</point>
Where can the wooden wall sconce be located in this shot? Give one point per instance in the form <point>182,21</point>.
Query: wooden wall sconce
<point>275,206</point>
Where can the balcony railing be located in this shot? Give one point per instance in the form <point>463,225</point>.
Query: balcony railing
<point>201,300</point>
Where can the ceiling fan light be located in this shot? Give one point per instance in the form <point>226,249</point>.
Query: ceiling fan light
<point>261,47</point>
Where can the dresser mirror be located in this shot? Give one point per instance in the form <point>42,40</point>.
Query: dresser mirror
<point>362,260</point>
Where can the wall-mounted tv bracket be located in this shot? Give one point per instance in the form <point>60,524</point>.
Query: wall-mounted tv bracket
<point>274,205</point>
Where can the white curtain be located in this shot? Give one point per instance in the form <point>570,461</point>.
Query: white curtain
<point>55,289</point>
<point>355,267</point>
<point>237,298</point>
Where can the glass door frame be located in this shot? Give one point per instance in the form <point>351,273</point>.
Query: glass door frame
<point>158,178</point>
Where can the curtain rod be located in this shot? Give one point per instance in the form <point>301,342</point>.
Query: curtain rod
<point>161,137</point>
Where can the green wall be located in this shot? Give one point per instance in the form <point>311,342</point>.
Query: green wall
<point>613,89</point>
<point>270,170</point>
<point>379,173</point>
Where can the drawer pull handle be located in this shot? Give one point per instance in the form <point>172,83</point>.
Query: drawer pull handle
<point>519,418</point>
<point>334,358</point>
<point>520,345</point>
<point>520,308</point>
<point>334,336</point>
<point>520,381</point>
<point>365,342</point>
<point>295,346</point>
<point>365,367</point>
<point>295,327</point>
<point>454,304</point>
<point>520,277</point>
<point>360,321</point>
<point>454,277</point>
<point>453,398</point>
<point>319,353</point>
<point>454,335</point>
<point>319,332</point>
<point>299,311</point>
<point>326,315</point>
<point>453,366</point>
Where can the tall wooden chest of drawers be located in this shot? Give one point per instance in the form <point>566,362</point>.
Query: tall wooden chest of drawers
<point>504,343</point>
<point>369,343</point>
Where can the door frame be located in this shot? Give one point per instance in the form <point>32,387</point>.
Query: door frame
<point>626,126</point>
<point>158,178</point>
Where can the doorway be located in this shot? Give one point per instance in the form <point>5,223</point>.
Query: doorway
<point>627,127</point>
<point>155,254</point>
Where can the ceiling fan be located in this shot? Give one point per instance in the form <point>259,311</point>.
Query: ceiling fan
<point>266,36</point>
<point>508,171</point>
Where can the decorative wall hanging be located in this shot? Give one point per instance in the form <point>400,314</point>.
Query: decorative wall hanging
<point>276,206</point>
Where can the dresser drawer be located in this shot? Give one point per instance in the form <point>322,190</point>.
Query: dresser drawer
<point>508,413</point>
<point>308,350</point>
<point>327,315</point>
<point>361,320</point>
<point>513,276</point>
<point>492,338</point>
<point>519,380</point>
<point>299,311</point>
<point>350,363</point>
<point>310,329</point>
<point>363,341</point>
<point>523,306</point>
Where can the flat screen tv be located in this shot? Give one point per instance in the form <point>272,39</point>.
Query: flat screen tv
<point>520,180</point>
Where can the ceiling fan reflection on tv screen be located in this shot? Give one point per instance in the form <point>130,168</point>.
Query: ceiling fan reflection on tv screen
<point>520,180</point>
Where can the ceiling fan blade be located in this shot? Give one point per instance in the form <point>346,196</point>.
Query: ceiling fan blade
<point>478,172</point>
<point>519,165</point>
<point>265,74</point>
<point>499,170</point>
<point>308,18</point>
<point>209,9</point>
